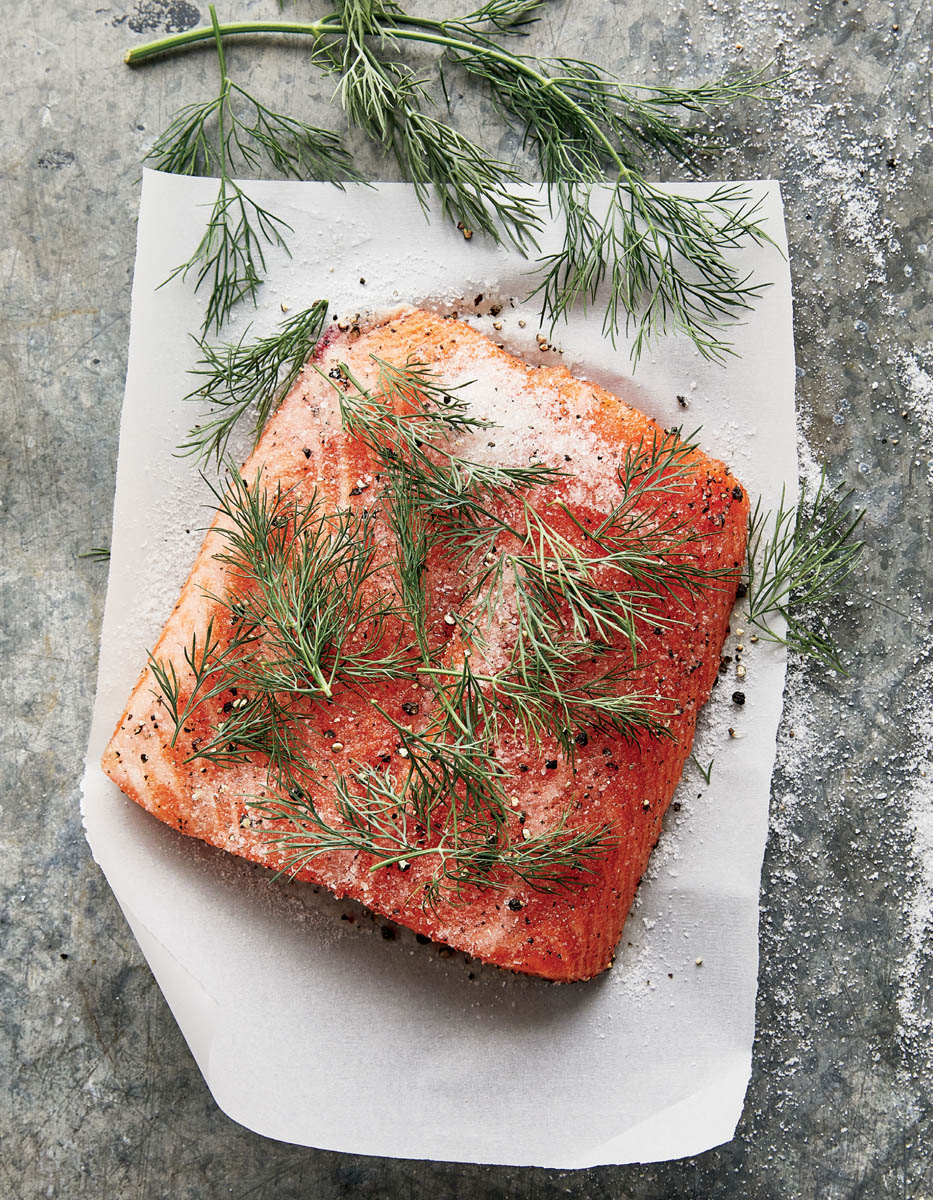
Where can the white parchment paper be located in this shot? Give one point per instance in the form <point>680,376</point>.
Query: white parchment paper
<point>308,1023</point>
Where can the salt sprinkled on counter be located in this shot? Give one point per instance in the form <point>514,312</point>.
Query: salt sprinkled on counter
<point>832,167</point>
<point>918,387</point>
<point>916,1021</point>
<point>809,468</point>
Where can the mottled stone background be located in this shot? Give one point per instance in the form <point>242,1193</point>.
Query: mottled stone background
<point>100,1097</point>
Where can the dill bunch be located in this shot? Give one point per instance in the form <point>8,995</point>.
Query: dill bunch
<point>662,258</point>
<point>657,261</point>
<point>386,100</point>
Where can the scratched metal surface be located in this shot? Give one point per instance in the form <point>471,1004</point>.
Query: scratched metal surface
<point>100,1096</point>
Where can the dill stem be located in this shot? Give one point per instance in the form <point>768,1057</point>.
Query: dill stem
<point>408,855</point>
<point>318,677</point>
<point>221,57</point>
<point>178,41</point>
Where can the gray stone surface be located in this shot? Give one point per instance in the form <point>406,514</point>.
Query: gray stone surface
<point>98,1094</point>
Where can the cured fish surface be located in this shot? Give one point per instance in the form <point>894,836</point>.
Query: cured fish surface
<point>616,784</point>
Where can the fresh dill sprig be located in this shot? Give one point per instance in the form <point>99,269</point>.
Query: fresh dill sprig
<point>96,554</point>
<point>259,723</point>
<point>212,663</point>
<point>554,571</point>
<point>235,131</point>
<point>305,611</point>
<point>454,758</point>
<point>308,582</point>
<point>662,257</point>
<point>372,819</point>
<point>567,596</point>
<point>405,406</point>
<point>657,260</point>
<point>474,190</point>
<point>798,560</point>
<point>643,535</point>
<point>231,255</point>
<point>386,100</point>
<point>506,16</point>
<point>242,376</point>
<point>407,419</point>
<point>414,538</point>
<point>564,704</point>
<point>450,806</point>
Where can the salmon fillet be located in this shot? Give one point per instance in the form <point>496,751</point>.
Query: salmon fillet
<point>623,785</point>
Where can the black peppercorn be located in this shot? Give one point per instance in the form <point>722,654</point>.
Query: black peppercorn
<point>738,697</point>
<point>515,904</point>
<point>580,737</point>
<point>551,764</point>
<point>410,708</point>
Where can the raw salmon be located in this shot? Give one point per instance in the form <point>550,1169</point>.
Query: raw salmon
<point>542,414</point>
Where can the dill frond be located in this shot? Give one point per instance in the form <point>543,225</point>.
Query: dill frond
<point>211,664</point>
<point>230,132</point>
<point>309,583</point>
<point>661,258</point>
<point>407,421</point>
<point>657,261</point>
<point>799,559</point>
<point>244,376</point>
<point>506,16</point>
<point>231,256</point>
<point>449,807</point>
